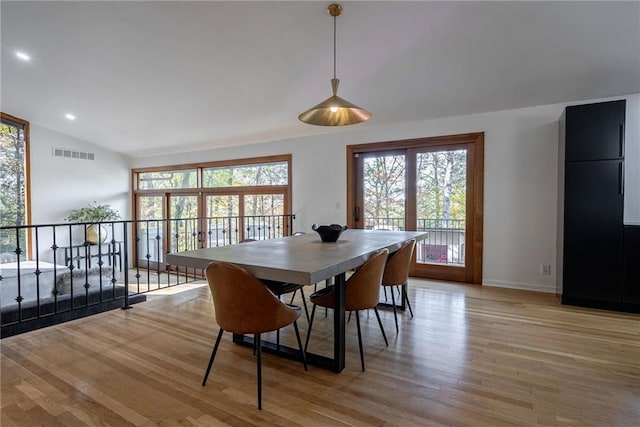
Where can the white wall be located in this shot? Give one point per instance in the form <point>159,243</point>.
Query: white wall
<point>632,162</point>
<point>520,181</point>
<point>59,185</point>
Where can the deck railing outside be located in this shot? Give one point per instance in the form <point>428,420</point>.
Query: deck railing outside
<point>445,242</point>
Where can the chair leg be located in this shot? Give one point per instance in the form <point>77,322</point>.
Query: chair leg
<point>293,295</point>
<point>304,303</point>
<point>327,283</point>
<point>304,356</point>
<point>349,318</point>
<point>259,368</point>
<point>360,339</point>
<point>375,309</point>
<point>384,288</point>
<point>306,341</point>
<point>406,298</point>
<point>395,312</point>
<point>213,356</point>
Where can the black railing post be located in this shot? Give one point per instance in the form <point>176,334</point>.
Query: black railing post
<point>125,244</point>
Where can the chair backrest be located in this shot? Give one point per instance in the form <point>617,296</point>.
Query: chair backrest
<point>362,290</point>
<point>396,272</point>
<point>243,304</point>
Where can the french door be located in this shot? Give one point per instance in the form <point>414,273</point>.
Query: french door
<point>432,185</point>
<point>177,221</point>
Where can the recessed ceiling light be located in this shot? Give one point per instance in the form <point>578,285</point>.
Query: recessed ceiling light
<point>70,116</point>
<point>23,56</point>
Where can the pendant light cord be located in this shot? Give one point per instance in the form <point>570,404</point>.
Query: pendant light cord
<point>334,47</point>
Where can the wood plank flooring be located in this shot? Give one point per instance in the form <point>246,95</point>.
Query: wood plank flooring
<point>471,356</point>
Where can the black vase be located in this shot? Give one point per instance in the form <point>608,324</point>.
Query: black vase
<point>329,233</point>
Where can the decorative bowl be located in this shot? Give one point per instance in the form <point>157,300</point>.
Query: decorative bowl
<point>329,233</point>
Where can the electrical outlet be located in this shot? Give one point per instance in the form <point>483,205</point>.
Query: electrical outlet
<point>545,269</point>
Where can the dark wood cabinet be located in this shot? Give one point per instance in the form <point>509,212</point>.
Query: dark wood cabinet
<point>592,224</point>
<point>595,131</point>
<point>593,231</point>
<point>631,284</point>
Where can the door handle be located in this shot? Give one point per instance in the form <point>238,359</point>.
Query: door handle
<point>621,140</point>
<point>621,178</point>
<point>356,214</point>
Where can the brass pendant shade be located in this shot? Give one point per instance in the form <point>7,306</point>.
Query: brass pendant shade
<point>334,111</point>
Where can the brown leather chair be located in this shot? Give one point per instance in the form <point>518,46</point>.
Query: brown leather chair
<point>396,273</point>
<point>361,292</point>
<point>283,288</point>
<point>243,305</point>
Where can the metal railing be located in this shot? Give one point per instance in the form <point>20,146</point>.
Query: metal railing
<point>56,272</point>
<point>445,242</point>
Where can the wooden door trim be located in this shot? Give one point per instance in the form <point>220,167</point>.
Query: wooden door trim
<point>475,182</point>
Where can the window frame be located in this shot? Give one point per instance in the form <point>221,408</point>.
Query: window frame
<point>200,189</point>
<point>13,120</point>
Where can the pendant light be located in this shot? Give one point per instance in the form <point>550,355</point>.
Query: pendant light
<point>334,111</point>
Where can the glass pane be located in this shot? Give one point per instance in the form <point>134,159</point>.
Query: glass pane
<point>441,200</point>
<point>168,179</point>
<point>258,220</point>
<point>221,224</point>
<point>151,230</point>
<point>13,194</point>
<point>184,223</point>
<point>384,192</point>
<point>246,175</point>
<point>150,207</point>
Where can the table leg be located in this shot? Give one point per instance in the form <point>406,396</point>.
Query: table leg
<point>336,363</point>
<point>339,325</point>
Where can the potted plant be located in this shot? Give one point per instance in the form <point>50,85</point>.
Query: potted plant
<point>94,213</point>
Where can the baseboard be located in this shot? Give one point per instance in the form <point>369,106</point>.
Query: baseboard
<point>536,287</point>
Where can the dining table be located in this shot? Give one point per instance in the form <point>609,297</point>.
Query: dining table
<point>305,260</point>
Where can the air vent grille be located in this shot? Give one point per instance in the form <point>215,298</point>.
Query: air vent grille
<point>72,154</point>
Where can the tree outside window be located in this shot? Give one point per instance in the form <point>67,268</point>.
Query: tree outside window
<point>13,185</point>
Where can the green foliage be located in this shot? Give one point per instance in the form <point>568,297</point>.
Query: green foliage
<point>384,186</point>
<point>12,185</point>
<point>440,185</point>
<point>93,213</point>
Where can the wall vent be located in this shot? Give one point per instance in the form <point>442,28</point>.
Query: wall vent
<point>72,154</point>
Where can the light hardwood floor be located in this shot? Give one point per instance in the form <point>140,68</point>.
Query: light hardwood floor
<point>472,356</point>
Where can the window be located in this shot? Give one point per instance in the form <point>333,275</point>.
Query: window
<point>182,207</point>
<point>14,181</point>
<point>168,179</point>
<point>429,184</point>
<point>246,175</point>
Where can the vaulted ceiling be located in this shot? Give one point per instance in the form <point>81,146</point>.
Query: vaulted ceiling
<point>159,77</point>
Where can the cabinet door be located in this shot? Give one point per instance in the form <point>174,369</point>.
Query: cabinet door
<point>595,131</point>
<point>593,231</point>
<point>631,286</point>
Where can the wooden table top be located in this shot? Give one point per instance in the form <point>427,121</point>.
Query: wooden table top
<point>301,259</point>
